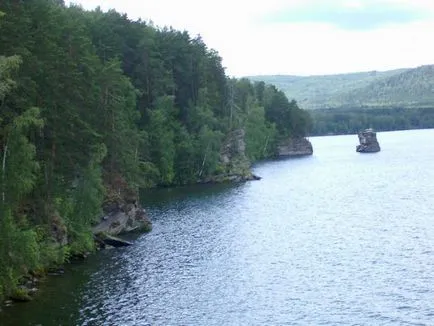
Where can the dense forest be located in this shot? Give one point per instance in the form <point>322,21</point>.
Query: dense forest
<point>324,91</point>
<point>93,105</point>
<point>409,88</point>
<point>347,103</point>
<point>351,121</point>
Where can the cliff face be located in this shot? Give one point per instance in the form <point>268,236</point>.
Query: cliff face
<point>294,147</point>
<point>123,219</point>
<point>232,154</point>
<point>122,210</point>
<point>235,166</point>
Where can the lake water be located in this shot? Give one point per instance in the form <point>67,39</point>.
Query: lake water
<point>339,238</point>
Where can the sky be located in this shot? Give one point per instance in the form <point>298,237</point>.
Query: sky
<point>297,37</point>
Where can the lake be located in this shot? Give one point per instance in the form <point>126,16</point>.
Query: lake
<point>338,238</point>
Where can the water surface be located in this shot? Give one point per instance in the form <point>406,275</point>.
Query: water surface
<point>339,238</point>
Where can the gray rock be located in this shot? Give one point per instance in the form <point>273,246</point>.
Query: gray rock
<point>235,165</point>
<point>107,240</point>
<point>59,231</point>
<point>368,142</point>
<point>33,291</point>
<point>127,219</point>
<point>294,147</point>
<point>233,147</point>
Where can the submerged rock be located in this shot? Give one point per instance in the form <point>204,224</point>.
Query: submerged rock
<point>294,147</point>
<point>20,294</point>
<point>104,240</point>
<point>231,178</point>
<point>368,142</point>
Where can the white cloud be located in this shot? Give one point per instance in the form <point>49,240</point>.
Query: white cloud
<point>353,4</point>
<point>249,46</point>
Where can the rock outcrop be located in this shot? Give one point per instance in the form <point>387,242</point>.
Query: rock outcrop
<point>125,218</point>
<point>368,142</point>
<point>234,162</point>
<point>104,240</point>
<point>294,147</point>
<point>122,210</point>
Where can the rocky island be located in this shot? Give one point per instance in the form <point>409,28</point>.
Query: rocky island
<point>368,142</point>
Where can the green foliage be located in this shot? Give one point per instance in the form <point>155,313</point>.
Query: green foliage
<point>208,144</point>
<point>161,139</point>
<point>7,66</point>
<point>317,92</point>
<point>19,167</point>
<point>20,294</point>
<point>346,103</point>
<point>19,251</point>
<point>411,88</point>
<point>89,99</point>
<point>150,175</point>
<point>260,135</point>
<point>184,157</point>
<point>81,207</point>
<point>341,121</point>
<point>52,254</point>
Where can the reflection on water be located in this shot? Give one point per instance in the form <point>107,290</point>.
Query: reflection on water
<point>163,196</point>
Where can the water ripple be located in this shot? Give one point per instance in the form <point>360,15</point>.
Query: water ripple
<point>339,238</point>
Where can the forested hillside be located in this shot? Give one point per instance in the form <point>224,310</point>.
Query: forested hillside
<point>409,88</point>
<point>413,88</point>
<point>347,103</point>
<point>327,91</point>
<point>93,106</point>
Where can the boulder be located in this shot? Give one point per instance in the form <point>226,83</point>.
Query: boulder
<point>127,218</point>
<point>122,212</point>
<point>20,294</point>
<point>294,147</point>
<point>368,142</point>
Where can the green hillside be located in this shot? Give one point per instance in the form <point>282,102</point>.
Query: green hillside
<point>401,87</point>
<point>411,88</point>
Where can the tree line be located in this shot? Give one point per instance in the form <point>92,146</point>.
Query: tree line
<point>351,121</point>
<point>93,105</point>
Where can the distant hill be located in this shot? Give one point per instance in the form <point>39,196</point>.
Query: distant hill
<point>402,87</point>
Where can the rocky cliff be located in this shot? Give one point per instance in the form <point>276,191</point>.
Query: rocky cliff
<point>235,165</point>
<point>122,210</point>
<point>294,147</point>
<point>368,142</point>
<point>125,218</point>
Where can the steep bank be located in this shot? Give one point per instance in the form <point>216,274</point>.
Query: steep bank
<point>234,163</point>
<point>122,212</point>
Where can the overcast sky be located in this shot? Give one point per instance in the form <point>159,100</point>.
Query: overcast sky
<point>299,37</point>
